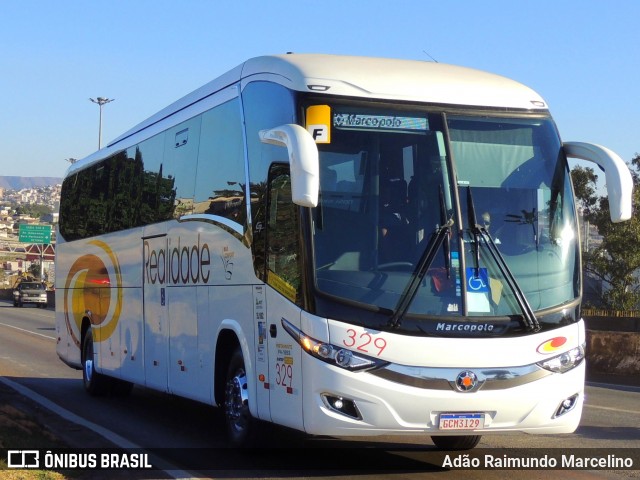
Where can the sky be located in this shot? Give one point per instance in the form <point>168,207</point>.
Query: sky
<point>582,56</point>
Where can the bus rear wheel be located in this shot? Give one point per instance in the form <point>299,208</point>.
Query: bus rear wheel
<point>462,442</point>
<point>94,383</point>
<point>241,426</point>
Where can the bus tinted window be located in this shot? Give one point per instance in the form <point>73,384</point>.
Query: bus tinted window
<point>284,269</point>
<point>157,186</point>
<point>266,105</point>
<point>166,176</point>
<point>179,163</point>
<point>220,178</point>
<point>100,199</point>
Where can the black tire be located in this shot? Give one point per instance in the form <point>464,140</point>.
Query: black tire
<point>242,428</point>
<point>462,442</point>
<point>95,383</point>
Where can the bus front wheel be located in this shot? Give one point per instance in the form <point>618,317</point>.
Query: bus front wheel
<point>462,442</point>
<point>241,426</point>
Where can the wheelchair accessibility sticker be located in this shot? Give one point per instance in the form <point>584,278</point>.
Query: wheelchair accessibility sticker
<point>478,290</point>
<point>477,280</point>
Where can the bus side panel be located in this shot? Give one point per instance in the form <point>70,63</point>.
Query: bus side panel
<point>206,275</point>
<point>108,348</point>
<point>67,328</point>
<point>113,304</point>
<point>205,344</point>
<point>219,307</point>
<point>183,342</point>
<point>67,347</point>
<point>155,312</point>
<point>261,349</point>
<point>97,279</point>
<point>132,338</point>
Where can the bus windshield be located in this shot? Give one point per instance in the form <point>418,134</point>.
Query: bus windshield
<point>389,182</point>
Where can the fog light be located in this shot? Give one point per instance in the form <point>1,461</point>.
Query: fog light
<point>566,406</point>
<point>344,406</point>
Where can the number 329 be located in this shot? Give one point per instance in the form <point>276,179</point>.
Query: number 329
<point>364,342</point>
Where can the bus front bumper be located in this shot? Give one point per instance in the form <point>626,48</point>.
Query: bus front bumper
<point>343,403</point>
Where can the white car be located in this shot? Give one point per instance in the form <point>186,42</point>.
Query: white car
<point>30,292</point>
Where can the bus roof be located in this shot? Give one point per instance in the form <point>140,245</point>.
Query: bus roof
<point>395,79</point>
<point>365,77</point>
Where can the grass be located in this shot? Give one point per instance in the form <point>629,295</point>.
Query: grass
<point>17,432</point>
<point>20,430</point>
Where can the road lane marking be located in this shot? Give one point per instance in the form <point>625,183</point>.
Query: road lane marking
<point>27,331</point>
<point>612,409</point>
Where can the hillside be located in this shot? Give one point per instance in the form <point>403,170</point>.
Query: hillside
<point>18,183</point>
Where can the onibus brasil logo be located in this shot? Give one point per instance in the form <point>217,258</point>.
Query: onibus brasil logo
<point>93,289</point>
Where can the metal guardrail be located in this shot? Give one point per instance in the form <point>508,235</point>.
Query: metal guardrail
<point>596,312</point>
<point>47,250</point>
<point>612,320</point>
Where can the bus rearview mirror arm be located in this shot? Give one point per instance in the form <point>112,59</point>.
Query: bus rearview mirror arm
<point>303,160</point>
<point>617,176</point>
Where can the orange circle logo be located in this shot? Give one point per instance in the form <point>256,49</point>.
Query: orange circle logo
<point>551,346</point>
<point>90,292</point>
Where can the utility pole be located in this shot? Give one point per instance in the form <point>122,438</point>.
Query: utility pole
<point>101,101</point>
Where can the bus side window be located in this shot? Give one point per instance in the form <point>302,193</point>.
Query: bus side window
<point>283,246</point>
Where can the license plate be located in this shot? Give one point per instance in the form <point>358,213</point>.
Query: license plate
<point>461,421</point>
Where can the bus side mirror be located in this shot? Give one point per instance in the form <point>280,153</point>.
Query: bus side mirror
<point>303,161</point>
<point>617,176</point>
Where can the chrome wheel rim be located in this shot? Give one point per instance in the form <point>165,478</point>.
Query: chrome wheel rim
<point>88,369</point>
<point>237,402</point>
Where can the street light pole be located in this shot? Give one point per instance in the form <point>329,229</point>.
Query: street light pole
<point>101,101</point>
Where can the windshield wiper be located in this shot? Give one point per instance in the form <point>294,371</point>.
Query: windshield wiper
<point>435,242</point>
<point>479,231</point>
<point>447,239</point>
<point>475,230</point>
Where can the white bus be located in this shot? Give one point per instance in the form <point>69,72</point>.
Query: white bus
<point>341,245</point>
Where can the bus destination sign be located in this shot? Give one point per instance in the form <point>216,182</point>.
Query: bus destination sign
<point>379,122</point>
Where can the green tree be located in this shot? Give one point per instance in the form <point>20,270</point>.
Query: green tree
<point>616,261</point>
<point>34,270</point>
<point>33,210</point>
<point>584,185</point>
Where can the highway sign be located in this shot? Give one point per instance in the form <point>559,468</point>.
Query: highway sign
<point>34,233</point>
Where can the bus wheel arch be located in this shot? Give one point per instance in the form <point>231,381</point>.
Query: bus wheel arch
<point>233,391</point>
<point>243,429</point>
<point>225,347</point>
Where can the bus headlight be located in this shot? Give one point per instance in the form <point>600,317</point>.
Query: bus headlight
<point>332,354</point>
<point>564,362</point>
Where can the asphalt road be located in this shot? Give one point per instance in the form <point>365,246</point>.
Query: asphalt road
<point>189,435</point>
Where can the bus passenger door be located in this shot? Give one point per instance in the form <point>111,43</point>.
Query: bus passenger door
<point>156,326</point>
<point>283,299</point>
